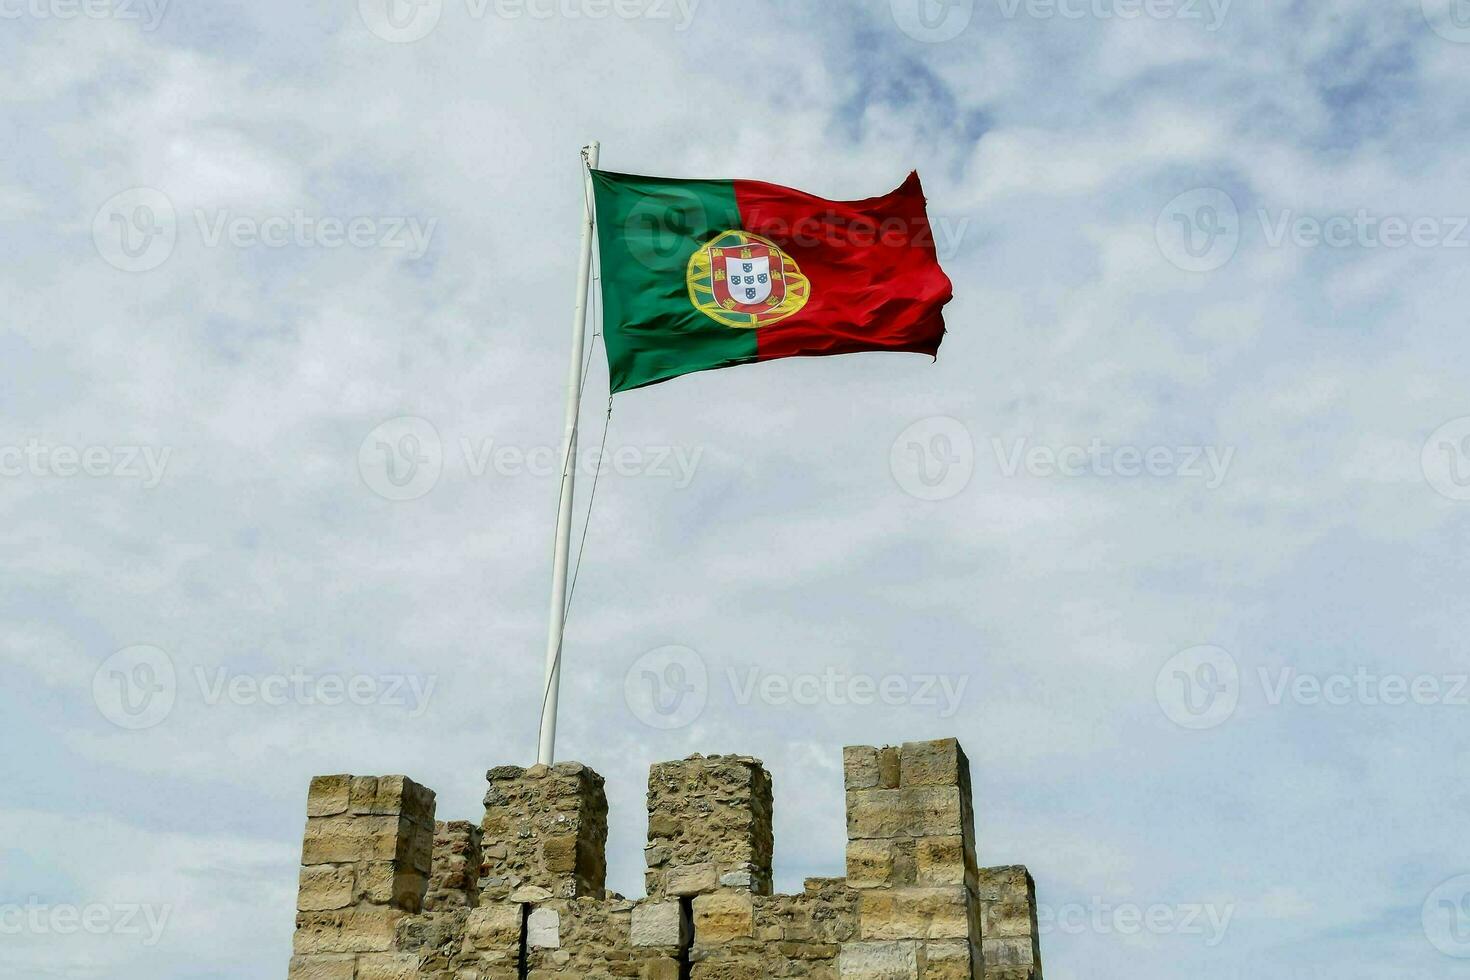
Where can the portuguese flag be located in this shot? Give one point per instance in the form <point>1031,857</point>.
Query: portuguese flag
<point>702,274</point>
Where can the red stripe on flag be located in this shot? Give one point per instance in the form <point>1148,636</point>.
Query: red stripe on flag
<point>876,283</point>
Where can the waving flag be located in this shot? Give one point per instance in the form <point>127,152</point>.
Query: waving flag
<point>702,274</point>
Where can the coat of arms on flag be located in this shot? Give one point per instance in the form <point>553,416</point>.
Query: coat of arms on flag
<point>744,280</point>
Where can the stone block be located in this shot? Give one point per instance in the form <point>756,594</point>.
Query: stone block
<point>694,879</point>
<point>940,763</point>
<point>388,966</point>
<point>920,811</point>
<point>879,961</point>
<point>722,918</point>
<point>327,967</point>
<point>493,928</point>
<point>947,961</point>
<point>328,796</point>
<point>392,795</point>
<point>860,767</point>
<point>915,913</point>
<point>365,929</point>
<point>325,888</point>
<point>543,929</point>
<point>660,924</point>
<point>941,861</point>
<point>347,839</point>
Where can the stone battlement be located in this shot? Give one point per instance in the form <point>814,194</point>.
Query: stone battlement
<point>387,893</point>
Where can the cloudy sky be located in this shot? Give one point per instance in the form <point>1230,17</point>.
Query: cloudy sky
<point>1172,535</point>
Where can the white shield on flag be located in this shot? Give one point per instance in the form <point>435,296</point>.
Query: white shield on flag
<point>749,279</point>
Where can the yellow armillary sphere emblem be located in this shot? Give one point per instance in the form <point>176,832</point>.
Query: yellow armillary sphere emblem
<point>744,280</point>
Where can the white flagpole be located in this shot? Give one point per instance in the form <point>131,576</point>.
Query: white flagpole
<point>547,754</point>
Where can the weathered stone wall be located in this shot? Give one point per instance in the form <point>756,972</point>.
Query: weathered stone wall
<point>1012,941</point>
<point>752,937</point>
<point>387,894</point>
<point>365,864</point>
<point>709,827</point>
<point>454,882</point>
<point>911,858</point>
<point>546,827</point>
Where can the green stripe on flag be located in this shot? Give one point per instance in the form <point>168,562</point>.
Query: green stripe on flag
<point>648,229</point>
